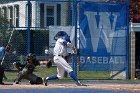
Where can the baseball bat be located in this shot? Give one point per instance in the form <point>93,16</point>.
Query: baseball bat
<point>82,39</point>
<point>7,43</point>
<point>72,35</point>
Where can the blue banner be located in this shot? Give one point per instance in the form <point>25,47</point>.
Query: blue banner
<point>103,32</point>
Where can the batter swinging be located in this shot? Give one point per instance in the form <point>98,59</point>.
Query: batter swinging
<point>60,51</point>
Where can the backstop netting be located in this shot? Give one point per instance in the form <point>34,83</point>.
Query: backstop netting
<point>100,28</point>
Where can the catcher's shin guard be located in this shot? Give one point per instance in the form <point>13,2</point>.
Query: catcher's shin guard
<point>20,76</point>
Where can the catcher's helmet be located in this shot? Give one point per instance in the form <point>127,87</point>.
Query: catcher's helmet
<point>30,55</point>
<point>60,34</point>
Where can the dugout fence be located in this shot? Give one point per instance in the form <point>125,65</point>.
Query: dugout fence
<point>31,19</point>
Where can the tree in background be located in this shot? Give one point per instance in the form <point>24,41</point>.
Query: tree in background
<point>4,30</point>
<point>135,11</point>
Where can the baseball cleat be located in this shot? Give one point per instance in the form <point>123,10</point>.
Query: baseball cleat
<point>45,81</point>
<point>80,84</point>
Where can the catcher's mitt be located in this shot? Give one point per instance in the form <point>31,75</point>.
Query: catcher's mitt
<point>49,64</point>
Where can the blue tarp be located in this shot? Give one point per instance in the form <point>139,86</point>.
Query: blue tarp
<point>103,36</point>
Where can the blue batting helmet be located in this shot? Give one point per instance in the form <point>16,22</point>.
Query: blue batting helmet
<point>67,38</point>
<point>60,34</point>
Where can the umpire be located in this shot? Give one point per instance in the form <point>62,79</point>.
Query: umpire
<point>3,50</point>
<point>26,70</point>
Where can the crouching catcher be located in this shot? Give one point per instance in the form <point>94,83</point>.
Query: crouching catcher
<point>25,71</point>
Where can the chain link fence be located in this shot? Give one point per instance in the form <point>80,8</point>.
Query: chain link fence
<point>30,20</point>
<point>25,25</point>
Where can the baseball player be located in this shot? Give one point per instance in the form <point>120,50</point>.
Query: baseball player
<point>3,50</point>
<point>60,51</point>
<point>26,70</point>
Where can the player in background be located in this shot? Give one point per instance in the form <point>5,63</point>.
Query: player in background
<point>60,51</point>
<point>3,50</point>
<point>25,70</point>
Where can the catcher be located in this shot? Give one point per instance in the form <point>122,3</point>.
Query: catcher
<point>25,71</point>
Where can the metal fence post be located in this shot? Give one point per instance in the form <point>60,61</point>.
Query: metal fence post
<point>127,41</point>
<point>28,30</point>
<point>74,23</point>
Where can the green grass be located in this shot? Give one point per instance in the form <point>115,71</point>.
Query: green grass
<point>82,75</point>
<point>41,72</point>
<point>11,75</point>
<point>44,72</point>
<point>93,75</point>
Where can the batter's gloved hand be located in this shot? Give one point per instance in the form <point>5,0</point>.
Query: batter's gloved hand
<point>74,50</point>
<point>49,64</point>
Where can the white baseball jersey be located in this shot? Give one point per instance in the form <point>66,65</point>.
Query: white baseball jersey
<point>60,51</point>
<point>60,48</point>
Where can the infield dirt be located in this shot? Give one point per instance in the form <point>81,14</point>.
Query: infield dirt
<point>106,86</point>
